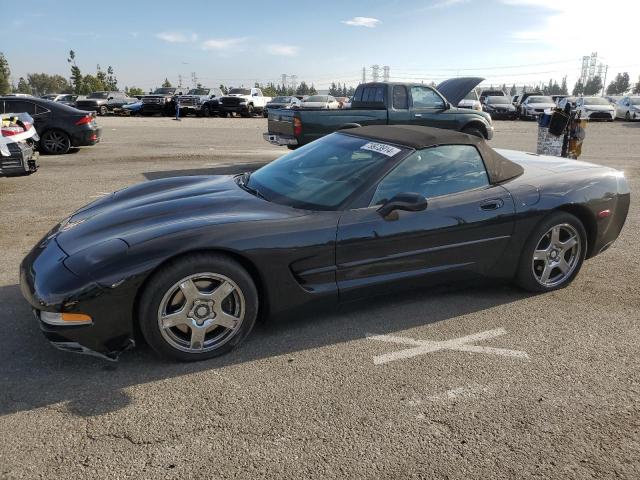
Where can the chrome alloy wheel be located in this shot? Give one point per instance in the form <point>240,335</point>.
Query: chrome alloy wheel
<point>201,312</point>
<point>556,255</point>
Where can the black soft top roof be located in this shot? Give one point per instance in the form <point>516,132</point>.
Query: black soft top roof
<point>498,167</point>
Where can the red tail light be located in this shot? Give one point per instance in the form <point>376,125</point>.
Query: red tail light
<point>84,120</point>
<point>9,131</point>
<point>297,126</point>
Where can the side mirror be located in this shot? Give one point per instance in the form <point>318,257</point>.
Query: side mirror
<point>409,202</point>
<point>447,105</point>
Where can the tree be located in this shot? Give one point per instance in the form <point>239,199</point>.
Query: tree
<point>620,84</point>
<point>351,91</point>
<point>303,89</point>
<point>513,90</point>
<point>133,91</point>
<point>111,82</point>
<point>166,83</point>
<point>224,89</point>
<point>593,86</point>
<point>636,87</point>
<point>563,87</point>
<point>91,83</point>
<point>5,74</point>
<point>43,83</point>
<point>23,87</point>
<point>578,89</point>
<point>76,74</point>
<point>312,90</point>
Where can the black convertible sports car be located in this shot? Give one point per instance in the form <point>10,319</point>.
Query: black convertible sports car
<point>190,262</point>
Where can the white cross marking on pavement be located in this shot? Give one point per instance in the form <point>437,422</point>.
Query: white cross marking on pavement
<point>462,344</point>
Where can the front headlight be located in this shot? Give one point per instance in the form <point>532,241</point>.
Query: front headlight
<point>244,102</point>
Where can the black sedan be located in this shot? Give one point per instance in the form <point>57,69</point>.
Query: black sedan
<point>500,108</point>
<point>60,126</point>
<point>191,262</point>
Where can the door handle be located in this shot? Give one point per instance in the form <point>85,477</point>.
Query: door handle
<point>417,115</point>
<point>493,204</point>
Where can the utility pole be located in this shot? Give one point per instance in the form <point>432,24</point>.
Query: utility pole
<point>364,75</point>
<point>604,82</point>
<point>194,79</point>
<point>179,81</point>
<point>284,80</point>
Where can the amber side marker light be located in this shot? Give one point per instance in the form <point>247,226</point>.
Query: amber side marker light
<point>52,318</point>
<point>604,213</point>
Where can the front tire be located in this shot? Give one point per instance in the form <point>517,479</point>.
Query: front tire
<point>476,132</point>
<point>103,110</point>
<point>250,111</point>
<point>553,254</point>
<point>198,307</point>
<point>627,117</point>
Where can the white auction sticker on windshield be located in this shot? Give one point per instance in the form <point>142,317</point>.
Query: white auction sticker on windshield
<point>382,148</point>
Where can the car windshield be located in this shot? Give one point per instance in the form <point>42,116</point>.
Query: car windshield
<point>323,174</point>
<point>239,91</point>
<point>540,100</point>
<point>634,100</point>
<point>198,91</point>
<point>317,98</point>
<point>164,91</point>
<point>498,100</point>
<point>50,97</point>
<point>596,101</point>
<point>281,100</point>
<point>98,95</point>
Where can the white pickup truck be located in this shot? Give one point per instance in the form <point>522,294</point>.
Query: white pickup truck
<point>245,101</point>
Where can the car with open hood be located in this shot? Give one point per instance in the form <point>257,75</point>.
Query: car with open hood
<point>17,145</point>
<point>384,103</point>
<point>189,263</point>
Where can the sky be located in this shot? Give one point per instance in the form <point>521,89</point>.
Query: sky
<point>239,43</point>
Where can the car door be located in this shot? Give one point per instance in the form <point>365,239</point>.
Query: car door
<point>399,113</point>
<point>463,231</point>
<point>428,108</point>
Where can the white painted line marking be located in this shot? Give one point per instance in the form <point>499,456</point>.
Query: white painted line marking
<point>462,344</point>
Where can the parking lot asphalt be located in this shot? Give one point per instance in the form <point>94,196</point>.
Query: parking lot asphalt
<point>328,395</point>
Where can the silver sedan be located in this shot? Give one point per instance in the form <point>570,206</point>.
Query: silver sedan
<point>628,108</point>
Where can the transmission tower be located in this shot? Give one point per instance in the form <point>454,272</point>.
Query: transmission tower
<point>284,80</point>
<point>179,81</point>
<point>364,74</point>
<point>294,81</point>
<point>385,73</point>
<point>584,72</point>
<point>375,72</point>
<point>592,65</point>
<point>194,79</point>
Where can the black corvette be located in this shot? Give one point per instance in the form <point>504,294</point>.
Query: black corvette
<point>190,262</point>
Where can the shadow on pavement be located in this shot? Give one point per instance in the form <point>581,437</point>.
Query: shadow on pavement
<point>223,169</point>
<point>34,374</point>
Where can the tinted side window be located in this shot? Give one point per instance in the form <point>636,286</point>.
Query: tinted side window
<point>433,172</point>
<point>424,97</point>
<point>400,97</point>
<point>18,106</point>
<point>370,94</point>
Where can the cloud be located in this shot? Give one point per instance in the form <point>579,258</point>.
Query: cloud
<point>177,37</point>
<point>222,43</point>
<point>282,50</point>
<point>362,22</point>
<point>447,3</point>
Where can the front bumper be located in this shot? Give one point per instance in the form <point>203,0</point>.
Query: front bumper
<point>490,132</point>
<point>48,285</point>
<point>598,115</point>
<point>503,114</point>
<point>281,140</point>
<point>233,108</point>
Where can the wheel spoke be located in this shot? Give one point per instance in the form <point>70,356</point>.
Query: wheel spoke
<point>174,319</point>
<point>540,255</point>
<point>546,273</point>
<point>224,319</point>
<point>569,244</point>
<point>563,266</point>
<point>197,337</point>
<point>189,290</point>
<point>555,235</point>
<point>222,292</point>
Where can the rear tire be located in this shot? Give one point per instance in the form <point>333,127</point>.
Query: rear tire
<point>627,117</point>
<point>103,110</point>
<point>553,254</point>
<point>55,142</point>
<point>184,305</point>
<point>205,111</point>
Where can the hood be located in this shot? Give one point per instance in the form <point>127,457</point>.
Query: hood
<point>455,89</point>
<point>163,207</point>
<point>599,108</point>
<point>92,101</point>
<point>541,105</point>
<point>468,102</point>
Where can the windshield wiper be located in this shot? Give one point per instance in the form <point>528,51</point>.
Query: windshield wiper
<point>244,183</point>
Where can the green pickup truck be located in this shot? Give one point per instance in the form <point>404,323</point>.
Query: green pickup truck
<point>384,104</point>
